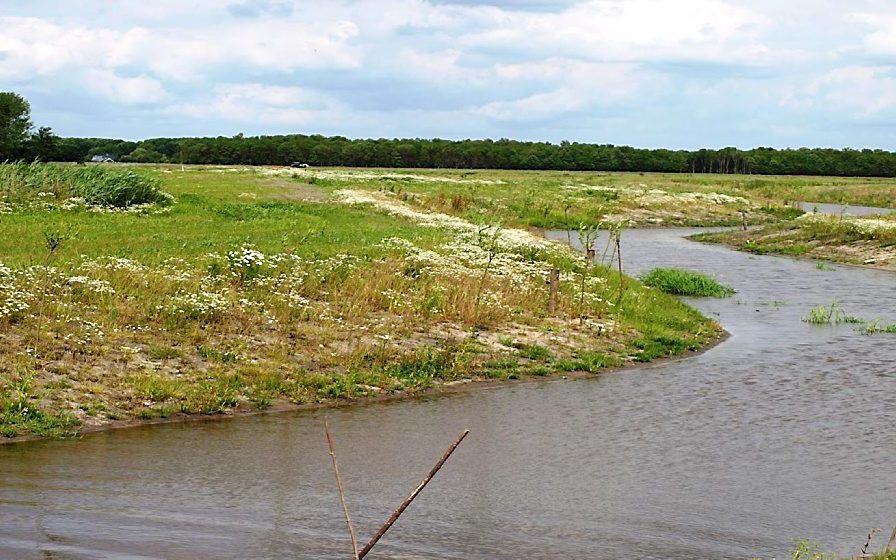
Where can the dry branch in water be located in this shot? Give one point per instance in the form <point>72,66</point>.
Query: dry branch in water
<point>357,555</point>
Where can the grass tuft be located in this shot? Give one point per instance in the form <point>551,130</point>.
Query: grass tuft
<point>683,282</point>
<point>830,315</point>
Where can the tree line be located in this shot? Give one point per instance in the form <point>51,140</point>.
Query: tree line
<point>319,150</point>
<point>18,140</point>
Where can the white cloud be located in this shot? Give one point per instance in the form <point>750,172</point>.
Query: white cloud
<point>254,102</point>
<point>882,40</point>
<point>633,30</point>
<point>861,90</point>
<point>136,90</point>
<point>573,85</point>
<point>35,46</point>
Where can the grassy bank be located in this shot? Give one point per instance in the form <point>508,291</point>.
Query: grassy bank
<point>855,240</point>
<point>249,288</point>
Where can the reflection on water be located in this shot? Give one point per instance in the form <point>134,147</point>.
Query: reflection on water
<point>785,430</point>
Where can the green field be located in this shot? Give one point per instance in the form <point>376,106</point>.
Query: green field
<point>254,287</point>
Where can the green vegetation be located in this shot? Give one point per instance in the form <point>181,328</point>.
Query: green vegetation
<point>807,550</point>
<point>18,141</point>
<point>875,327</point>
<point>15,122</point>
<point>479,154</point>
<point>867,241</point>
<point>49,185</point>
<point>259,288</point>
<point>685,283</point>
<point>831,314</point>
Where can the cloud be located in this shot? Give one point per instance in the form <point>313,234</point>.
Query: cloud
<point>257,8</point>
<point>882,40</point>
<point>137,90</point>
<point>863,91</point>
<point>35,46</point>
<point>572,86</point>
<point>253,102</point>
<point>631,30</point>
<point>650,72</point>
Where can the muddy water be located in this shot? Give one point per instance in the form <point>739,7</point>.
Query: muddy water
<point>785,430</point>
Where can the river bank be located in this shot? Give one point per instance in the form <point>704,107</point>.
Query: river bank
<point>247,291</point>
<point>865,240</point>
<point>281,406</point>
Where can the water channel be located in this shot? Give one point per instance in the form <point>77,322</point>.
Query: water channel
<point>784,430</point>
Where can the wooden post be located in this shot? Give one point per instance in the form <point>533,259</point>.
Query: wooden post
<point>619,256</point>
<point>619,263</point>
<point>743,217</point>
<point>407,501</point>
<point>554,283</point>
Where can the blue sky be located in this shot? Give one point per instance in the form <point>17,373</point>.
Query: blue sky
<point>648,73</point>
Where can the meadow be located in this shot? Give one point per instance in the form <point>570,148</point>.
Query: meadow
<point>231,289</point>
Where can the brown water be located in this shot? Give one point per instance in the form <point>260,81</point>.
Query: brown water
<point>785,430</point>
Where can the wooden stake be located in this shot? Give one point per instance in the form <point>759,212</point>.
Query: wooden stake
<point>407,501</point>
<point>619,263</point>
<point>554,283</point>
<point>348,519</point>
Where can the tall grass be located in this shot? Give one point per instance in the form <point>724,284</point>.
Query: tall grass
<point>24,182</point>
<point>683,282</point>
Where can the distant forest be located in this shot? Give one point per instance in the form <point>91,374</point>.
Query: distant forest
<point>318,150</point>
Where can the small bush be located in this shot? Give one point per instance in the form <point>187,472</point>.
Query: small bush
<point>683,282</point>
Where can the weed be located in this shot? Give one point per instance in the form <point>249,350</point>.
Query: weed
<point>807,550</point>
<point>160,352</point>
<point>875,327</point>
<point>533,352</point>
<point>650,348</point>
<point>830,315</point>
<point>501,367</point>
<point>222,356</point>
<point>540,371</point>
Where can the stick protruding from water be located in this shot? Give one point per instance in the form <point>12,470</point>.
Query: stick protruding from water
<point>407,501</point>
<point>348,519</point>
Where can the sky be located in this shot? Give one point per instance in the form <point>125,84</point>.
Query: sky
<point>679,74</point>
